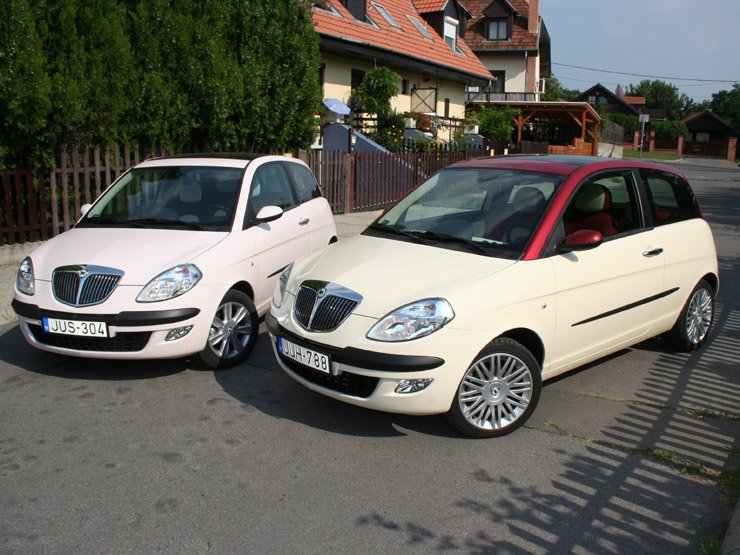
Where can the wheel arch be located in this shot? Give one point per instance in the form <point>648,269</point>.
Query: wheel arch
<point>713,280</point>
<point>245,288</point>
<point>530,340</point>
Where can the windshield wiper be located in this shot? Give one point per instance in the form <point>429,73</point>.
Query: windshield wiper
<point>441,238</point>
<point>146,222</point>
<point>414,236</point>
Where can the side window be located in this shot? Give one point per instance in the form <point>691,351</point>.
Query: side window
<point>671,198</point>
<point>606,203</point>
<point>270,187</point>
<point>305,183</point>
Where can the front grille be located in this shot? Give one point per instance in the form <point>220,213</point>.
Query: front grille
<point>127,342</point>
<point>322,306</point>
<point>346,382</point>
<point>84,285</point>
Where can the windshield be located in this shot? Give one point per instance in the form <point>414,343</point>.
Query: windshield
<point>487,211</point>
<point>172,197</point>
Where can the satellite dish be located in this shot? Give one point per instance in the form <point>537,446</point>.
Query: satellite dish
<point>336,106</point>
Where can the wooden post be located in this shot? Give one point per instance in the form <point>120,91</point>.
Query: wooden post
<point>349,181</point>
<point>8,204</point>
<point>679,147</point>
<point>65,191</point>
<point>54,205</point>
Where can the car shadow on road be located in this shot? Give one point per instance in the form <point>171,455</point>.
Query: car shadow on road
<point>15,351</point>
<point>263,385</point>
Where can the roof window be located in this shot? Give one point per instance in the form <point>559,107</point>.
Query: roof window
<point>419,26</point>
<point>388,17</point>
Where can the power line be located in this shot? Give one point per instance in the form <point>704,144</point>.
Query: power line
<point>650,76</point>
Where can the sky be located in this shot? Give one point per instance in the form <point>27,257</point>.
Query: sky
<point>687,39</point>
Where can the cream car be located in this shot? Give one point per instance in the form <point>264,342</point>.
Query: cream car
<point>493,276</point>
<point>178,257</point>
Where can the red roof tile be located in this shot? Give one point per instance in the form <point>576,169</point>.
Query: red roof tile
<point>521,38</point>
<point>635,100</point>
<point>425,6</point>
<point>406,39</point>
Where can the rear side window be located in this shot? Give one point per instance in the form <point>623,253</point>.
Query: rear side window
<point>305,183</point>
<point>671,198</point>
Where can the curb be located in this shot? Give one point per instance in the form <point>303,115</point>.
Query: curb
<point>731,543</point>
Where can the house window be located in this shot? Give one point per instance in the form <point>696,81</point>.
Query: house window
<point>404,86</point>
<point>498,29</point>
<point>447,107</point>
<point>499,81</point>
<point>388,17</point>
<point>450,32</point>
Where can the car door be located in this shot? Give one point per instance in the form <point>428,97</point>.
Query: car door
<point>606,295</point>
<point>313,207</point>
<point>280,241</point>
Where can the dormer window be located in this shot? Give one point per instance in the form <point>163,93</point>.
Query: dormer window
<point>497,29</point>
<point>450,32</point>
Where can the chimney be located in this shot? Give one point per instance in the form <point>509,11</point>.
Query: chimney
<point>534,16</point>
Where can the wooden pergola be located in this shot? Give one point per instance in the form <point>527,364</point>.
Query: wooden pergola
<point>579,112</point>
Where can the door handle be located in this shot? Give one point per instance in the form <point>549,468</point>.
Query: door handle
<point>303,221</point>
<point>654,252</point>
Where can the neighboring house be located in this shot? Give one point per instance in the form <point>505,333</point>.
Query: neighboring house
<point>617,102</point>
<point>603,99</point>
<point>708,126</point>
<point>511,39</point>
<point>434,63</point>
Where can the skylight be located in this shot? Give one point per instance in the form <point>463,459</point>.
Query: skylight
<point>421,28</point>
<point>388,17</point>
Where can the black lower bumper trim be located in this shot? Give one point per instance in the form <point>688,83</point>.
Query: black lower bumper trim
<point>122,319</point>
<point>360,358</point>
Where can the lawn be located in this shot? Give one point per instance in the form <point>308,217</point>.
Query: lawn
<point>651,155</point>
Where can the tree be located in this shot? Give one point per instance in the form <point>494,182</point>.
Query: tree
<point>554,91</point>
<point>661,95</point>
<point>378,86</point>
<point>25,86</point>
<point>496,122</point>
<point>726,104</point>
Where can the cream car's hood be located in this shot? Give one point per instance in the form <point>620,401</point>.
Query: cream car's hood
<point>140,253</point>
<point>389,273</point>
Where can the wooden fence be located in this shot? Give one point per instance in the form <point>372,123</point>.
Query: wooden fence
<point>38,204</point>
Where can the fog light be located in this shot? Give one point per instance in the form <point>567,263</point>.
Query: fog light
<point>178,333</point>
<point>412,386</point>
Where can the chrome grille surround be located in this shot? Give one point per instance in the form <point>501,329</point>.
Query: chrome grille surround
<point>84,285</point>
<point>323,306</point>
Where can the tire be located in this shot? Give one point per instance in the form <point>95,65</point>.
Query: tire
<point>233,332</point>
<point>498,392</point>
<point>692,327</point>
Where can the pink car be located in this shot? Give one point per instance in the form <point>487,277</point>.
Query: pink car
<point>178,257</point>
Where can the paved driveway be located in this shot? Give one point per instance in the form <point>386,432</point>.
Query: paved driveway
<point>621,456</point>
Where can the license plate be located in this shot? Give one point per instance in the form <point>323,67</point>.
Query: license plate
<point>307,357</point>
<point>75,327</point>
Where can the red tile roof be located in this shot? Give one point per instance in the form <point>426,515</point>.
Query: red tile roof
<point>406,40</point>
<point>425,6</point>
<point>521,38</point>
<point>634,100</point>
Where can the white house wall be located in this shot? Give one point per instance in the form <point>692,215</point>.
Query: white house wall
<point>338,78</point>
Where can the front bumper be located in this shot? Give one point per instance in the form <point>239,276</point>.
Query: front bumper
<point>368,375</point>
<point>132,334</point>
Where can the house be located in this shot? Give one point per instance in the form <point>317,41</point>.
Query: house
<point>617,102</point>
<point>603,99</point>
<point>512,41</point>
<point>426,48</point>
<point>710,136</point>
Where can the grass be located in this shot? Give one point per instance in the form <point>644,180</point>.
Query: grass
<point>651,155</point>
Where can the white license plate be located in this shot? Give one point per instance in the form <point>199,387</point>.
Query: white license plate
<point>75,327</point>
<point>307,357</point>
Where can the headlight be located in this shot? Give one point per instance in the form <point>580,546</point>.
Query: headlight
<point>172,283</point>
<point>412,321</point>
<point>25,280</point>
<point>277,297</point>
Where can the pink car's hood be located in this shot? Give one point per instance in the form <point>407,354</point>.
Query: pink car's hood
<point>140,253</point>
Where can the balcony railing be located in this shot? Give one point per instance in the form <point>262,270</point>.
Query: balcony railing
<point>485,96</point>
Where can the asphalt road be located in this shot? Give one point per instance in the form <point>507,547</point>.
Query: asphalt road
<point>159,456</point>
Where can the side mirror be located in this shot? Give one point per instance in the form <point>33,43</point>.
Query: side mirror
<point>581,240</point>
<point>268,214</point>
<point>84,208</point>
